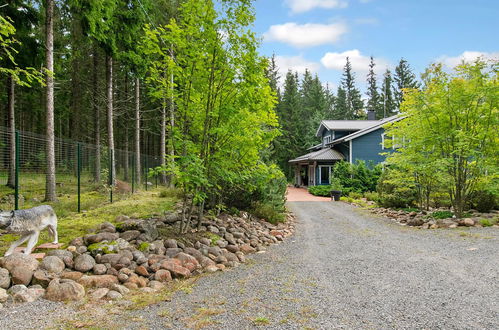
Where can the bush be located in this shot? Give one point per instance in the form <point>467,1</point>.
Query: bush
<point>320,190</point>
<point>357,177</point>
<point>372,196</point>
<point>395,190</point>
<point>267,212</point>
<point>355,195</point>
<point>484,201</point>
<point>488,222</point>
<point>442,214</point>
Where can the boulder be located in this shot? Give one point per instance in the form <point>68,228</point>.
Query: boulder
<point>3,295</point>
<point>64,290</point>
<point>172,252</point>
<point>114,295</point>
<point>171,244</point>
<point>415,222</point>
<point>99,293</point>
<point>107,227</point>
<point>65,255</point>
<point>139,281</point>
<point>84,262</point>
<point>232,248</point>
<point>99,269</point>
<point>205,241</point>
<point>120,288</point>
<point>75,276</point>
<point>4,278</point>
<point>42,277</point>
<point>104,236</point>
<point>171,218</point>
<point>98,281</point>
<point>162,275</point>
<point>21,267</point>
<point>52,264</point>
<point>175,269</point>
<point>156,285</point>
<point>130,235</point>
<point>468,222</point>
<point>142,271</point>
<point>28,295</point>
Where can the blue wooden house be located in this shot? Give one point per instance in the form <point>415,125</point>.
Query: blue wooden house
<point>341,140</point>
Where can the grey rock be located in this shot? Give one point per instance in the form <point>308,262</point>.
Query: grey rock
<point>171,244</point>
<point>52,264</point>
<point>4,278</point>
<point>99,269</point>
<point>114,295</point>
<point>84,263</point>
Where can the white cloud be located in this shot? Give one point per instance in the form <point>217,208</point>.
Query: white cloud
<point>360,63</point>
<point>295,63</point>
<point>467,56</point>
<point>301,6</point>
<point>306,35</point>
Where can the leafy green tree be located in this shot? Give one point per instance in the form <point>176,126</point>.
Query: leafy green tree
<point>404,78</point>
<point>373,102</point>
<point>449,131</point>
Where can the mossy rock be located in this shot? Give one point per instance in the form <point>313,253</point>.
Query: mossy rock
<point>143,247</point>
<point>103,248</point>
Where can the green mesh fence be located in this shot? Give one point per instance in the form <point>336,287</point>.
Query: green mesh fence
<point>86,163</point>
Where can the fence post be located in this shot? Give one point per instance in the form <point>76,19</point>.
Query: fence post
<point>16,176</point>
<point>78,172</point>
<point>110,175</point>
<point>133,173</point>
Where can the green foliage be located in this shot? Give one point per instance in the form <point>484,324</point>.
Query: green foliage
<point>355,195</point>
<point>170,193</point>
<point>442,214</point>
<point>395,189</point>
<point>488,222</point>
<point>144,247</point>
<point>404,79</point>
<point>324,190</point>
<point>266,211</point>
<point>371,196</point>
<point>484,201</point>
<point>357,177</point>
<point>353,104</point>
<point>447,139</point>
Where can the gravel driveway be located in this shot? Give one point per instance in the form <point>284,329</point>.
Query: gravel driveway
<point>346,269</point>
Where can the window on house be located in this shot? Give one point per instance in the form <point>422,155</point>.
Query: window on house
<point>386,142</point>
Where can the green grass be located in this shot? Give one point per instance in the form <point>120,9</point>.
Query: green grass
<point>442,214</point>
<point>142,204</point>
<point>488,222</point>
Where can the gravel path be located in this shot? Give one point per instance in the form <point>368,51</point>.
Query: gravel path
<point>345,269</point>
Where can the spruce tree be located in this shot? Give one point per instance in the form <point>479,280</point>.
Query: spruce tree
<point>387,103</point>
<point>404,78</point>
<point>314,106</point>
<point>373,103</point>
<point>272,74</point>
<point>340,104</point>
<point>354,104</point>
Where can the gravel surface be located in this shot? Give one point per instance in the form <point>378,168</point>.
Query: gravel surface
<point>344,269</point>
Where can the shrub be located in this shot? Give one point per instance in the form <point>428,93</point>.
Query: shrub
<point>488,222</point>
<point>268,212</point>
<point>355,195</point>
<point>320,190</point>
<point>170,193</point>
<point>371,196</point>
<point>395,190</point>
<point>484,201</point>
<point>357,177</point>
<point>442,214</point>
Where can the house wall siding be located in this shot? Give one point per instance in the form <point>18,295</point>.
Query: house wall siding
<point>368,147</point>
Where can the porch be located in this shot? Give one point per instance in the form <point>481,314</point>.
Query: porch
<point>315,168</point>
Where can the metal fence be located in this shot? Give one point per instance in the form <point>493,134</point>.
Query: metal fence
<point>83,175</point>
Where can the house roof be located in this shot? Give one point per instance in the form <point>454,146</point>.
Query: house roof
<point>323,154</point>
<point>344,125</point>
<point>379,124</point>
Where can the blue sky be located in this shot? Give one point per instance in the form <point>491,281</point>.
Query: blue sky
<point>319,34</point>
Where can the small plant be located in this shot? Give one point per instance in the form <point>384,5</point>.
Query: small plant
<point>355,195</point>
<point>214,238</point>
<point>371,196</point>
<point>410,209</point>
<point>488,222</point>
<point>320,190</point>
<point>268,212</point>
<point>261,321</point>
<point>442,214</point>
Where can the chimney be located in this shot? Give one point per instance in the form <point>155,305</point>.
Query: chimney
<point>371,115</point>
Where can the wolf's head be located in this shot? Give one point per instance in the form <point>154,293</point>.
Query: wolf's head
<point>6,218</point>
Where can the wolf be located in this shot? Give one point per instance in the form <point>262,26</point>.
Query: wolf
<point>29,223</point>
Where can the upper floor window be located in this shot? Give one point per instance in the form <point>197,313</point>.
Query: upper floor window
<point>387,143</point>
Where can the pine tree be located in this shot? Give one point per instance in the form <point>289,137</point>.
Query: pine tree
<point>373,102</point>
<point>404,78</point>
<point>272,74</point>
<point>387,103</point>
<point>314,106</point>
<point>340,104</point>
<point>354,104</point>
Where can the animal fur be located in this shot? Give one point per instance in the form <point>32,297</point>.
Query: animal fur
<point>29,223</point>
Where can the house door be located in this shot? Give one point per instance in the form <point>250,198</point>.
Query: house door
<point>324,174</point>
<point>311,175</point>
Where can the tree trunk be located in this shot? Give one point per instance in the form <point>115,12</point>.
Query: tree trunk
<point>162,145</point>
<point>12,130</point>
<point>50,178</point>
<point>126,165</point>
<point>95,105</point>
<point>172,125</point>
<point>137,131</point>
<point>110,132</point>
